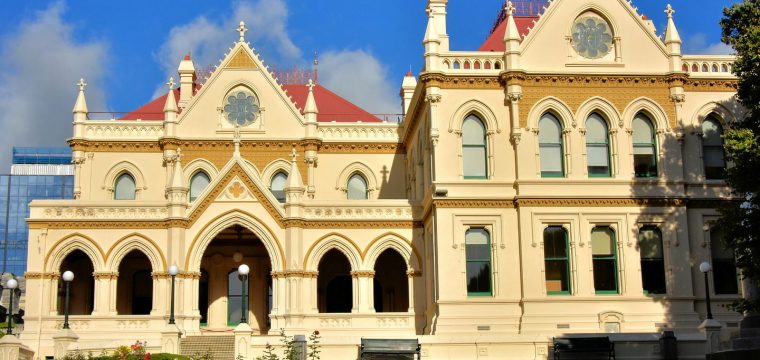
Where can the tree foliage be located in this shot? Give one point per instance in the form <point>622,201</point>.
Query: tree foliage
<point>740,220</point>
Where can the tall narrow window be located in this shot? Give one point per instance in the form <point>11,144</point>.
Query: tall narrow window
<point>550,146</point>
<point>712,148</point>
<point>556,260</point>
<point>725,279</point>
<point>474,152</point>
<point>652,260</point>
<point>478,254</point>
<point>357,187</point>
<point>234,298</point>
<point>644,147</point>
<point>277,186</point>
<point>124,187</point>
<point>198,183</point>
<point>597,146</point>
<point>605,260</point>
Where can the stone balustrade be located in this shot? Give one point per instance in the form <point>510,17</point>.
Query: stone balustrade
<point>472,62</point>
<point>702,66</point>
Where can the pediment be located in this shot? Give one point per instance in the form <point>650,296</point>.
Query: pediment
<point>633,45</point>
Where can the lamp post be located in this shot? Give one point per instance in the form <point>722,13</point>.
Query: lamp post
<point>173,271</point>
<point>243,270</point>
<point>68,277</point>
<point>12,284</point>
<point>705,267</point>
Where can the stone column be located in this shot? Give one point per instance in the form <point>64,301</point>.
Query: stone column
<point>11,348</point>
<point>363,281</point>
<point>62,341</point>
<point>711,329</point>
<point>170,339</point>
<point>242,340</point>
<point>105,293</point>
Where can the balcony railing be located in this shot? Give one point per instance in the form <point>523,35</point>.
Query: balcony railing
<point>708,65</point>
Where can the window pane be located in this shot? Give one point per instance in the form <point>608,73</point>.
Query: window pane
<point>476,236</point>
<point>555,242</point>
<point>234,285</point>
<point>650,243</point>
<point>551,158</point>
<point>596,129</point>
<point>714,157</point>
<point>549,129</point>
<point>199,182</point>
<point>712,132</point>
<point>644,165</point>
<point>725,278</point>
<point>478,277</point>
<point>357,188</point>
<point>643,131</point>
<point>557,277</point>
<point>598,156</point>
<point>602,242</point>
<point>653,276</point>
<point>473,131</point>
<point>605,275</point>
<point>478,255</point>
<point>124,189</point>
<point>718,250</point>
<point>474,161</point>
<point>278,185</point>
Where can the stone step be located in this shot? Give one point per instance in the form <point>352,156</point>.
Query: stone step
<point>220,347</point>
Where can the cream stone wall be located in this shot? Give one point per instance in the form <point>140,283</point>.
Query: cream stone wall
<point>419,204</point>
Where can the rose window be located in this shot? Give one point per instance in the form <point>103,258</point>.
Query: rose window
<point>241,108</point>
<point>592,37</point>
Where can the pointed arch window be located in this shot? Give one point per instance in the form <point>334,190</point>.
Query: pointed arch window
<point>277,186</point>
<point>198,183</point>
<point>712,148</point>
<point>644,147</point>
<point>124,187</point>
<point>357,187</point>
<point>478,254</point>
<point>652,260</point>
<point>474,150</point>
<point>557,260</point>
<point>551,147</point>
<point>597,146</point>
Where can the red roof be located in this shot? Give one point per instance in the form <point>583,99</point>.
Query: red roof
<point>331,106</point>
<point>495,41</point>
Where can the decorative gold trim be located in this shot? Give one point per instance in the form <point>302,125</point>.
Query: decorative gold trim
<point>460,82</point>
<point>193,275</point>
<point>294,273</point>
<point>76,234</point>
<point>414,273</point>
<point>363,273</point>
<point>41,275</point>
<point>158,275</point>
<point>315,243</point>
<point>105,275</point>
<point>480,203</point>
<point>711,85</point>
<point>241,60</point>
<point>593,202</point>
<point>143,237</point>
<point>362,148</point>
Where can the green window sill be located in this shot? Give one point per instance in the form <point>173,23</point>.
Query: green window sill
<point>479,294</point>
<point>558,293</point>
<point>607,292</point>
<point>476,177</point>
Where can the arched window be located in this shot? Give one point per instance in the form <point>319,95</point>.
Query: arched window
<point>124,187</point>
<point>474,152</point>
<point>604,255</point>
<point>357,187</point>
<point>556,260</point>
<point>597,146</point>
<point>277,186</point>
<point>550,146</point>
<point>712,148</point>
<point>198,183</point>
<point>652,260</point>
<point>644,147</point>
<point>478,253</point>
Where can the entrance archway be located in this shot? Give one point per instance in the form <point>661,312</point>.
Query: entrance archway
<point>220,289</point>
<point>334,283</point>
<point>391,285</point>
<point>134,287</point>
<point>82,288</point>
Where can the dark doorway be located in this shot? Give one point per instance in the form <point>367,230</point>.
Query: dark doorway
<point>82,288</point>
<point>391,283</point>
<point>334,283</point>
<point>134,288</point>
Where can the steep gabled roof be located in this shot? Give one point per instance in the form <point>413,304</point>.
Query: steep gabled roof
<point>331,106</point>
<point>495,41</point>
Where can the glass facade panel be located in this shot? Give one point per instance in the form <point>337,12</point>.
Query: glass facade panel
<point>478,254</point>
<point>16,192</point>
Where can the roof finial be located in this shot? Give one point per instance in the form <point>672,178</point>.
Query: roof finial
<point>81,84</point>
<point>242,30</point>
<point>310,85</point>
<point>669,11</point>
<point>171,83</point>
<point>510,8</point>
<point>293,154</point>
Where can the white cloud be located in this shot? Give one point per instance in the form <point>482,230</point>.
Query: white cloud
<point>40,62</point>
<point>354,74</point>
<point>697,44</point>
<point>359,77</point>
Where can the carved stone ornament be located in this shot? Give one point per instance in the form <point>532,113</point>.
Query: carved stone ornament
<point>433,98</point>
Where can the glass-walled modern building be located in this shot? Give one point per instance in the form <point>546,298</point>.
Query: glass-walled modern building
<point>36,173</point>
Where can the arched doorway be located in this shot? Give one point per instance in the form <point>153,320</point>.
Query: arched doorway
<point>334,283</point>
<point>82,288</point>
<point>391,285</point>
<point>220,289</point>
<point>134,287</point>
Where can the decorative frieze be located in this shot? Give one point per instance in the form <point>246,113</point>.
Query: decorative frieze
<point>360,132</point>
<point>85,212</point>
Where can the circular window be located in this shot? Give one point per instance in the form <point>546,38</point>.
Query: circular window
<point>241,108</point>
<point>592,37</point>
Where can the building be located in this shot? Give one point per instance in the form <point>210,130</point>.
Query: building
<point>561,179</point>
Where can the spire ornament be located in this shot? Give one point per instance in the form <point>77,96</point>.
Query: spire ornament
<point>81,84</point>
<point>242,30</point>
<point>510,8</point>
<point>669,11</point>
<point>171,83</point>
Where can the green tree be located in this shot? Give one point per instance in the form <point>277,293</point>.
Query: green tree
<point>740,220</point>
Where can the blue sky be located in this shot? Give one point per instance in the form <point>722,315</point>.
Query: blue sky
<point>127,49</point>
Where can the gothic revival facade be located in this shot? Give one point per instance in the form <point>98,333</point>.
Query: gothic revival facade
<point>561,179</point>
